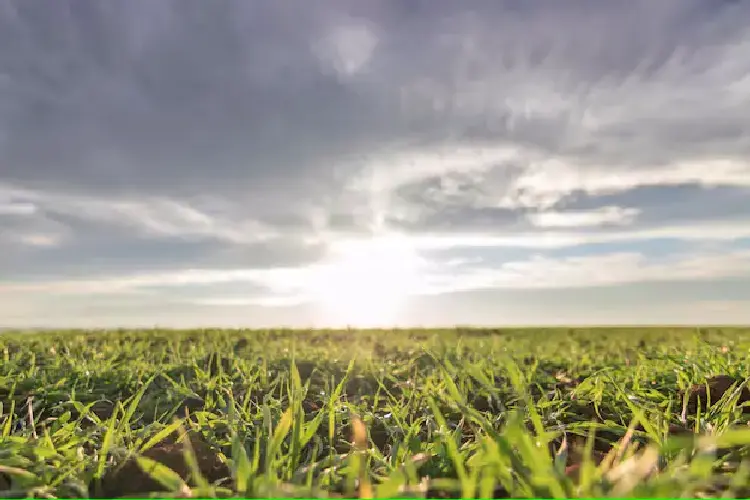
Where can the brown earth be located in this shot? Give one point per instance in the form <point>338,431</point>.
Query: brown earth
<point>713,390</point>
<point>130,479</point>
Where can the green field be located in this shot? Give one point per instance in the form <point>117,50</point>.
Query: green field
<point>410,413</point>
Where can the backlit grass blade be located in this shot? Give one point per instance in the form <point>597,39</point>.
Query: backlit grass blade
<point>109,437</point>
<point>467,487</point>
<point>277,439</point>
<point>160,436</point>
<point>164,476</point>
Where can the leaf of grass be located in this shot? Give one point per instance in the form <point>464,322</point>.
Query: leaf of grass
<point>109,437</point>
<point>162,435</point>
<point>467,488</point>
<point>162,475</point>
<point>279,433</point>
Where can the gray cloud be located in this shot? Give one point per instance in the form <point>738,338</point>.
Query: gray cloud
<point>488,202</point>
<point>168,97</point>
<point>162,95</point>
<point>99,254</point>
<point>164,135</point>
<point>687,203</point>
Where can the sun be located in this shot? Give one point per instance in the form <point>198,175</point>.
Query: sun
<point>365,284</point>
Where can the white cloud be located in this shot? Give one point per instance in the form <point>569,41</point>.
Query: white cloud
<point>706,231</point>
<point>383,172</point>
<point>283,286</point>
<point>585,218</point>
<point>280,280</point>
<point>662,118</point>
<point>348,47</point>
<point>152,216</point>
<point>546,183</point>
<point>270,301</point>
<point>598,270</point>
<point>12,208</point>
<point>39,240</point>
<point>514,177</point>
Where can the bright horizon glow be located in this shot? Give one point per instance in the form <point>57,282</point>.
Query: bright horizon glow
<point>365,284</point>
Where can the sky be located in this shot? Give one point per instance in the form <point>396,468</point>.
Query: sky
<point>184,163</point>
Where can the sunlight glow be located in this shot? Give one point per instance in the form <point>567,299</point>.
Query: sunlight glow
<point>366,284</point>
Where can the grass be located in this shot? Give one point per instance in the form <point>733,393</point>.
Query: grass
<point>411,413</point>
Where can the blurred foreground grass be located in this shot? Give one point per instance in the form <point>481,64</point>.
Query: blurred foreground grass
<point>410,413</point>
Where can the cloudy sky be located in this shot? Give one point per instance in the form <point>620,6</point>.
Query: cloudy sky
<point>183,162</point>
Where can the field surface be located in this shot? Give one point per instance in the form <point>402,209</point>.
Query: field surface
<point>411,413</point>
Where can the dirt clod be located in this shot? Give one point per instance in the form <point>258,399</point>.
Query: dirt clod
<point>712,391</point>
<point>130,479</point>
